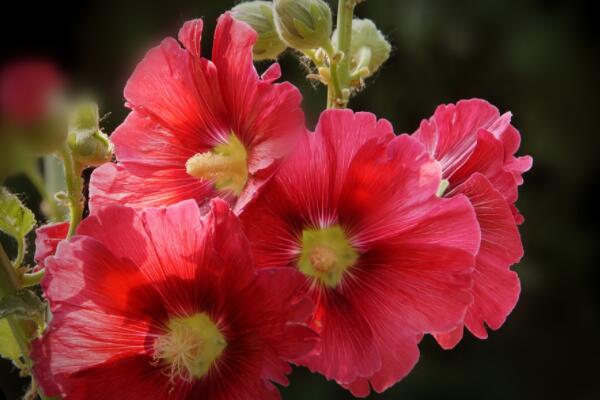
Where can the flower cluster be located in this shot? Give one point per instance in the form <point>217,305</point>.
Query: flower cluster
<point>228,241</point>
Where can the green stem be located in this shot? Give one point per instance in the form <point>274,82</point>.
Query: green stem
<point>33,279</point>
<point>20,253</point>
<point>9,284</point>
<point>9,279</point>
<point>344,26</point>
<point>339,93</point>
<point>331,96</point>
<point>36,179</point>
<point>333,87</point>
<point>74,189</point>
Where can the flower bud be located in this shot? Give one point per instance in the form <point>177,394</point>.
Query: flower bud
<point>369,48</point>
<point>303,24</point>
<point>259,15</point>
<point>88,144</point>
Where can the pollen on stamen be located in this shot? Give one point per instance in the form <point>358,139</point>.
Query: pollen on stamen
<point>189,347</point>
<point>323,258</point>
<point>226,165</point>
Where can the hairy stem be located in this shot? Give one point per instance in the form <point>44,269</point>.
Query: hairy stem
<point>334,90</point>
<point>339,92</point>
<point>20,253</point>
<point>74,189</point>
<point>344,26</point>
<point>9,279</point>
<point>9,284</point>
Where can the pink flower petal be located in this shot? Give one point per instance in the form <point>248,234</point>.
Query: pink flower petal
<point>495,287</point>
<point>184,105</point>
<point>416,251</point>
<point>140,186</point>
<point>114,287</point>
<point>47,238</point>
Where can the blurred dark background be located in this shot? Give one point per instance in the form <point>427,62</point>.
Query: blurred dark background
<point>539,59</point>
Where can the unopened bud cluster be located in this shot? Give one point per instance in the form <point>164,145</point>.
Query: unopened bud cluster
<point>259,15</point>
<point>307,26</point>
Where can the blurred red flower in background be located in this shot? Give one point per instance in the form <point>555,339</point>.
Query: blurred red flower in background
<point>27,89</point>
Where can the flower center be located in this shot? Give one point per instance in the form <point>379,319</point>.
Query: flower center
<point>226,165</point>
<point>190,346</point>
<point>326,255</point>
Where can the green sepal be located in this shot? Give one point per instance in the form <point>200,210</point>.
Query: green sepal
<point>23,304</point>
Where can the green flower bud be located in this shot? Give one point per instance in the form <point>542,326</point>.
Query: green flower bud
<point>88,144</point>
<point>259,15</point>
<point>369,48</point>
<point>303,24</point>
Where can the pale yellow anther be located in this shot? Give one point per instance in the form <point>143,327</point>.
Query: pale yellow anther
<point>189,347</point>
<point>323,258</point>
<point>226,165</point>
<point>325,74</point>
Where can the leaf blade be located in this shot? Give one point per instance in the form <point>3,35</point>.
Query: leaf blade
<point>16,220</point>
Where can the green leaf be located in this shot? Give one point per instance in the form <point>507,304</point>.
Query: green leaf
<point>23,304</point>
<point>8,344</point>
<point>16,220</point>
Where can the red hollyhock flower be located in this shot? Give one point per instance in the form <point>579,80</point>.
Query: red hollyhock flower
<point>167,304</point>
<point>47,238</point>
<point>26,90</point>
<point>475,146</point>
<point>385,260</point>
<point>200,129</point>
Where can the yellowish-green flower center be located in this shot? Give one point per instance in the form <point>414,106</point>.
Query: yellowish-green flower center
<point>226,165</point>
<point>326,255</point>
<point>189,347</point>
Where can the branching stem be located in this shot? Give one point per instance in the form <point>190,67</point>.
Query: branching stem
<point>338,93</point>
